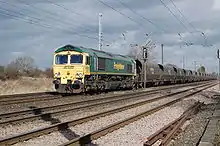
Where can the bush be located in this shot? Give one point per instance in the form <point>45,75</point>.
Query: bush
<point>49,73</point>
<point>11,72</point>
<point>22,66</point>
<point>2,73</point>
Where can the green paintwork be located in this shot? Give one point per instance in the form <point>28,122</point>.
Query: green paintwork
<point>68,48</point>
<point>109,57</point>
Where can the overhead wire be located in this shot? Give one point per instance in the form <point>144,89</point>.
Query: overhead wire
<point>125,5</point>
<point>42,10</point>
<point>183,15</point>
<point>180,21</point>
<point>6,12</point>
<point>21,15</point>
<point>21,18</point>
<point>70,10</point>
<point>131,19</point>
<point>193,27</point>
<point>144,18</point>
<point>128,17</point>
<point>182,24</point>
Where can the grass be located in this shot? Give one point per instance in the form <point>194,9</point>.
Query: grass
<point>26,85</point>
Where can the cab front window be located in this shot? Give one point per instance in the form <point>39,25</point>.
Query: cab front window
<point>76,59</point>
<point>61,59</point>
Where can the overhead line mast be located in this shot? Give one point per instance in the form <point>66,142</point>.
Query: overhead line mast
<point>100,31</point>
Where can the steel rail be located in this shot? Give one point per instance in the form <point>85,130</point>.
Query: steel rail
<point>33,97</point>
<point>24,95</point>
<point>83,140</point>
<point>93,103</point>
<point>29,97</point>
<point>64,125</point>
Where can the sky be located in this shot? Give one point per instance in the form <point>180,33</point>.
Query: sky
<point>36,28</point>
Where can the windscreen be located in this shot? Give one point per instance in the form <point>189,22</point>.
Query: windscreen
<point>76,59</point>
<point>61,59</point>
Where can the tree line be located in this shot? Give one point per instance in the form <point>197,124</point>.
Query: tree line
<point>23,67</point>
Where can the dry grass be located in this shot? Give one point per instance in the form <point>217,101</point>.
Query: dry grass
<point>26,85</point>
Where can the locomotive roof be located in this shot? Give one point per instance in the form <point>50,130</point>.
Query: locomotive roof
<point>94,52</point>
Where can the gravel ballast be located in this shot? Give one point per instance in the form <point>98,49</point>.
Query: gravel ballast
<point>195,128</point>
<point>59,101</point>
<point>217,136</point>
<point>11,129</point>
<point>65,100</point>
<point>57,138</point>
<point>137,132</point>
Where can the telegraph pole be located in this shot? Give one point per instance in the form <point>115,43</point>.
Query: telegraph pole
<point>100,31</point>
<point>161,53</point>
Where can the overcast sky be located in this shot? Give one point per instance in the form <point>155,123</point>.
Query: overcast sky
<point>35,28</point>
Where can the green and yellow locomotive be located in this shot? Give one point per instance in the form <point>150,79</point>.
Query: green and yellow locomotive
<point>79,69</point>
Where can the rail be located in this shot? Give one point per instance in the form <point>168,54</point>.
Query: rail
<point>38,113</point>
<point>25,98</point>
<point>84,139</point>
<point>165,134</point>
<point>40,96</point>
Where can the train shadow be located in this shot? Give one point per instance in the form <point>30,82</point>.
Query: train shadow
<point>63,128</point>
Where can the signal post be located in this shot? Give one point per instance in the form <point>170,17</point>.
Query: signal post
<point>145,65</point>
<point>218,56</point>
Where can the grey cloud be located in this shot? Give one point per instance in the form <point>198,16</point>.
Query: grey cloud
<point>18,37</point>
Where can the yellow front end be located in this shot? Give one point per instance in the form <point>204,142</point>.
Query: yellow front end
<point>69,70</point>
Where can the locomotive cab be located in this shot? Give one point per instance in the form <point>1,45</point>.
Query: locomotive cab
<point>69,68</point>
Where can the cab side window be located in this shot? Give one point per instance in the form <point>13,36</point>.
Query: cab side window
<point>87,60</point>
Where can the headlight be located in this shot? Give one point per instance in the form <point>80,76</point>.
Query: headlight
<point>79,75</point>
<point>57,74</point>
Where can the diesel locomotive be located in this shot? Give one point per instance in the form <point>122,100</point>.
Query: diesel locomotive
<point>79,69</point>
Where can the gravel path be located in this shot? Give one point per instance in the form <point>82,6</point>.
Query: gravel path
<point>57,138</point>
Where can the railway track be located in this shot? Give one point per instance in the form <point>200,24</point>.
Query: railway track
<point>42,96</point>
<point>88,138</point>
<point>163,136</point>
<point>57,127</point>
<point>26,98</point>
<point>46,112</point>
